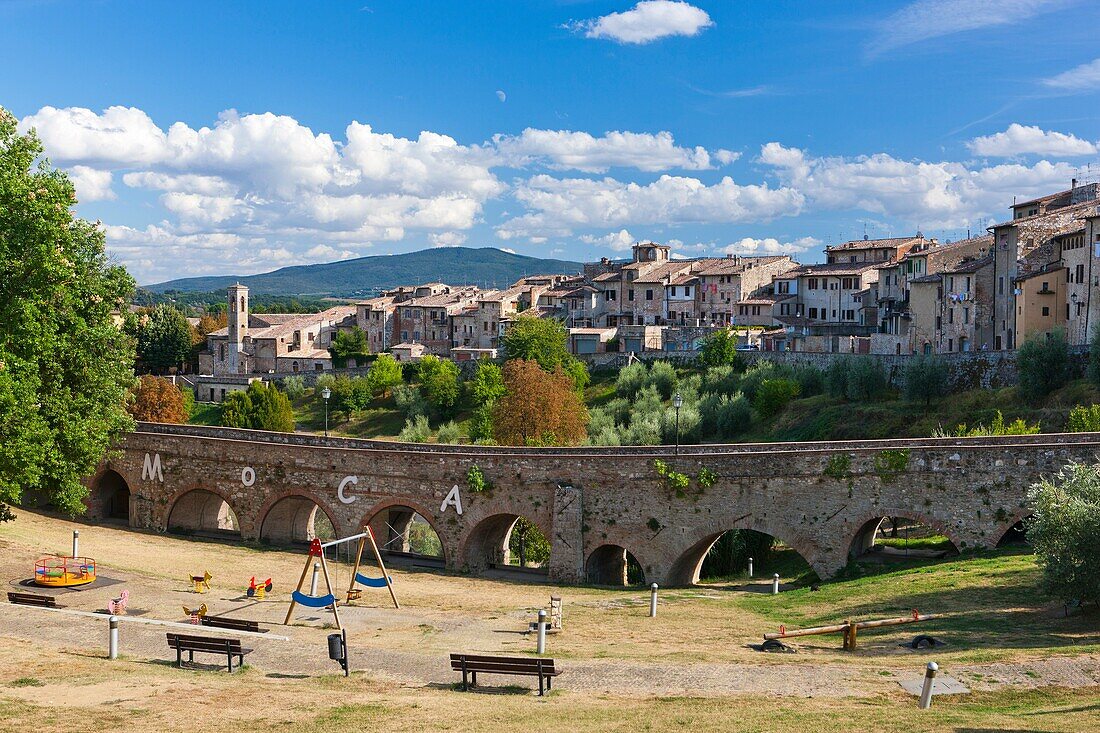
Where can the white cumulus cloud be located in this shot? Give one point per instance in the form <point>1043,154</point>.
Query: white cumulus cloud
<point>91,184</point>
<point>770,246</point>
<point>447,239</point>
<point>1030,140</point>
<point>619,241</point>
<point>648,21</point>
<point>566,149</point>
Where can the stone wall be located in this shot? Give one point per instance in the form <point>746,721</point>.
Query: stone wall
<point>591,503</point>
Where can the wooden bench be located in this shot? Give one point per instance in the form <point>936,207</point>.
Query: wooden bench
<point>469,665</point>
<point>208,645</point>
<point>32,599</point>
<point>237,624</point>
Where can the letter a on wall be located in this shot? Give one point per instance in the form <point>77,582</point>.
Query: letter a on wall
<point>453,499</point>
<point>150,468</point>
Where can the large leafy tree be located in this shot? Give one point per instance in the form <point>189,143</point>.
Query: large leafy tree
<point>164,338</point>
<point>539,408</point>
<point>385,374</point>
<point>155,399</point>
<point>349,345</point>
<point>65,366</point>
<point>720,348</point>
<point>438,382</point>
<point>544,340</point>
<point>1043,364</point>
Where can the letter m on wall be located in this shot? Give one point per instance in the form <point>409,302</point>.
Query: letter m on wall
<point>150,468</point>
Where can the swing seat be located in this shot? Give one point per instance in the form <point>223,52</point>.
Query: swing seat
<point>354,595</point>
<point>313,601</point>
<point>371,582</point>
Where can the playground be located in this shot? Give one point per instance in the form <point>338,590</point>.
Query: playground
<point>1026,663</point>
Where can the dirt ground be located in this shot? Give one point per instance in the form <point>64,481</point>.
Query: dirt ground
<point>52,664</point>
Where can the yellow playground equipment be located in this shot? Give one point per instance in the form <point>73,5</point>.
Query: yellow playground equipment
<point>200,583</point>
<point>58,571</point>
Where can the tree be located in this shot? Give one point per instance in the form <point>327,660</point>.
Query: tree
<point>65,367</point>
<point>349,345</point>
<point>1042,363</point>
<point>528,543</point>
<point>155,399</point>
<point>544,340</point>
<point>720,348</point>
<point>539,408</point>
<point>163,338</point>
<point>260,407</point>
<point>866,379</point>
<point>487,386</point>
<point>926,378</point>
<point>1084,419</point>
<point>1092,371</point>
<point>438,382</point>
<point>773,395</point>
<point>1065,532</point>
<point>385,374</point>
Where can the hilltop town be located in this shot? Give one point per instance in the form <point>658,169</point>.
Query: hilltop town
<point>903,295</point>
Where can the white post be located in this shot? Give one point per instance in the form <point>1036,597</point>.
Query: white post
<point>775,584</point>
<point>653,601</point>
<point>313,582</point>
<point>750,567</point>
<point>76,543</point>
<point>929,683</point>
<point>112,637</point>
<point>541,647</point>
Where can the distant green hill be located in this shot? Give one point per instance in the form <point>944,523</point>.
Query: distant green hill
<point>486,267</point>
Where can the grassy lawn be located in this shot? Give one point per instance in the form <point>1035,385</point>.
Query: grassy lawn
<point>206,413</point>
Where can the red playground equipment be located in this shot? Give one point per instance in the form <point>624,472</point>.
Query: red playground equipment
<point>258,591</point>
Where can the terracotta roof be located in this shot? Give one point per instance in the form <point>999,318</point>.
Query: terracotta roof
<point>835,269</point>
<point>732,265</point>
<point>970,265</point>
<point>1060,211</point>
<point>873,243</point>
<point>765,299</point>
<point>933,278</point>
<point>1049,272</point>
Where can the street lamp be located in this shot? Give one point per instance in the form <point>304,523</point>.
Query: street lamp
<point>325,394</point>
<point>677,402</point>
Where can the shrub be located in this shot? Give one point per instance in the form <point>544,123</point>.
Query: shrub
<point>662,376</point>
<point>866,379</point>
<point>836,378</point>
<point>476,481</point>
<point>1092,372</point>
<point>925,378</point>
<point>408,400</point>
<point>155,399</point>
<point>721,380</point>
<point>294,387</point>
<point>1084,419</point>
<point>416,430</point>
<point>1043,364</point>
<point>721,348</point>
<point>632,378</point>
<point>1065,532</point>
<point>324,380</point>
<point>385,374</point>
<point>689,425</point>
<point>734,416</point>
<point>260,407</point>
<point>481,424</point>
<point>996,427</point>
<point>811,380</point>
<point>449,432</point>
<point>760,373</point>
<point>773,395</point>
<point>438,382</point>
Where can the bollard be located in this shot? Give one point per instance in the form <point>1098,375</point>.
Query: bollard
<point>76,543</point>
<point>775,584</point>
<point>112,637</point>
<point>750,567</point>
<point>653,601</point>
<point>313,583</point>
<point>929,683</point>
<point>541,646</point>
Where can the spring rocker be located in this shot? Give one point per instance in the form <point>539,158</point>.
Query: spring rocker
<point>328,600</point>
<point>195,614</point>
<point>65,571</point>
<point>201,583</point>
<point>258,591</point>
<point>117,606</point>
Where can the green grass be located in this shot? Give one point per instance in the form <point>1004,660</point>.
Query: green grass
<point>933,542</point>
<point>205,413</point>
<point>26,682</point>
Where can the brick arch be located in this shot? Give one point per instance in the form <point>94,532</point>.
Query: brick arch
<point>264,512</point>
<point>245,525</point>
<point>689,555</point>
<point>109,495</point>
<point>1002,528</point>
<point>862,522</point>
<point>449,551</point>
<point>598,560</point>
<point>488,528</point>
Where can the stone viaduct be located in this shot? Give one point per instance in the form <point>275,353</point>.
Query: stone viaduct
<point>595,505</point>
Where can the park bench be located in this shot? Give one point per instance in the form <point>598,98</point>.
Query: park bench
<point>32,599</point>
<point>469,665</point>
<point>207,645</point>
<point>237,624</point>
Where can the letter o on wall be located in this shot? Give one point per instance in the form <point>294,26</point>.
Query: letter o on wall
<point>248,475</point>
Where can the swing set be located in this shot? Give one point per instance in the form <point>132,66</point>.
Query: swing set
<point>329,600</point>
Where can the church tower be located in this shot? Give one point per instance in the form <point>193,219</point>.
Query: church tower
<point>237,322</point>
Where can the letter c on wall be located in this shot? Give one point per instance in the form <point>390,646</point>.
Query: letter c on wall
<point>343,485</point>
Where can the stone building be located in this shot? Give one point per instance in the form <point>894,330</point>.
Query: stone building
<point>725,282</point>
<point>258,343</point>
<point>1041,302</point>
<point>427,320</point>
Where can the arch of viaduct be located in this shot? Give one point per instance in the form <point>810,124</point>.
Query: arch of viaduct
<point>822,499</point>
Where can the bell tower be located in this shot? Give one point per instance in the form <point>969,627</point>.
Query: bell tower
<point>237,323</point>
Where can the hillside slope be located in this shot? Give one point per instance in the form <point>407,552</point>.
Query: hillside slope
<point>486,267</point>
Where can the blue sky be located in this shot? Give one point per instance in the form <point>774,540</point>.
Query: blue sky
<point>239,137</point>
